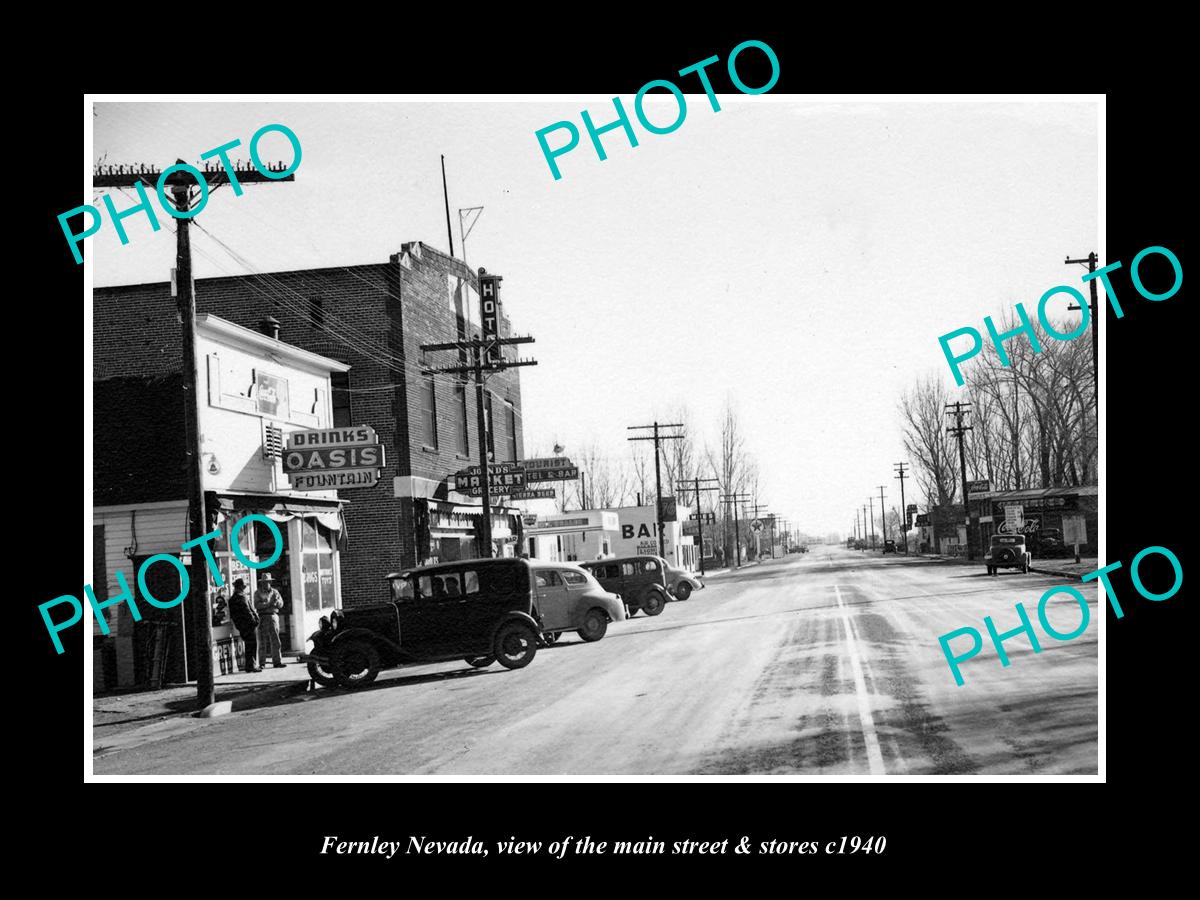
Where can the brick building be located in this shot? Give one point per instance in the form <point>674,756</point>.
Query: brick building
<point>373,318</point>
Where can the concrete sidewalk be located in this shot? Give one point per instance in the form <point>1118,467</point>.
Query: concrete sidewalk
<point>122,711</point>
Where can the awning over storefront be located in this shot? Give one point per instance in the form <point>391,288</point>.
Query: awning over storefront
<point>282,509</point>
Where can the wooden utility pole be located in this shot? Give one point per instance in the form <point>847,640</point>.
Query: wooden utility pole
<point>181,185</point>
<point>958,430</point>
<point>486,360</point>
<point>695,486</point>
<point>1090,262</point>
<point>882,514</point>
<point>903,509</point>
<point>871,504</point>
<point>658,439</point>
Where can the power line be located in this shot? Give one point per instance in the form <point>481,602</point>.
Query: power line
<point>657,438</point>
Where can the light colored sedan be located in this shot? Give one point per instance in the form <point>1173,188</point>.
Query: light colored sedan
<point>568,598</point>
<point>680,582</point>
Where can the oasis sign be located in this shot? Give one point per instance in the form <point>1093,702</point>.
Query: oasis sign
<point>333,458</point>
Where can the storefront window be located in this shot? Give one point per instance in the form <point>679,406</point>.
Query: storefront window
<point>318,544</point>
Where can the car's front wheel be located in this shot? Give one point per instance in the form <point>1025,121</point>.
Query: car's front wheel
<point>683,591</point>
<point>653,604</point>
<point>515,645</point>
<point>595,624</point>
<point>321,674</point>
<point>355,664</point>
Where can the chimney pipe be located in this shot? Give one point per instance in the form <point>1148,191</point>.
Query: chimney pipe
<point>270,327</point>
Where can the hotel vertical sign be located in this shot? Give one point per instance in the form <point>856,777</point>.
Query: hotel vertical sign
<point>489,305</point>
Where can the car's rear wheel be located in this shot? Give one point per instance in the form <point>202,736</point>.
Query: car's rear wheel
<point>1025,566</point>
<point>321,674</point>
<point>683,590</point>
<point>355,664</point>
<point>595,624</point>
<point>479,662</point>
<point>653,604</point>
<point>515,645</point>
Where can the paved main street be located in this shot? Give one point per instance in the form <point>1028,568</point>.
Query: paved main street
<point>824,663</point>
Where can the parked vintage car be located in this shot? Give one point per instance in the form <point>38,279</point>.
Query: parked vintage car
<point>889,546</point>
<point>478,610</point>
<point>640,580</point>
<point>1048,543</point>
<point>680,582</point>
<point>1007,551</point>
<point>570,599</point>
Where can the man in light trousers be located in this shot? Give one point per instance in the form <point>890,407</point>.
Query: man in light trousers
<point>268,603</point>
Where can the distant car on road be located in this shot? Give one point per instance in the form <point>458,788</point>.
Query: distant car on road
<point>570,599</point>
<point>1007,551</point>
<point>477,610</point>
<point>889,546</point>
<point>640,580</point>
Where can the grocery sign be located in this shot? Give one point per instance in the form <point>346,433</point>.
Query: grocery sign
<point>503,478</point>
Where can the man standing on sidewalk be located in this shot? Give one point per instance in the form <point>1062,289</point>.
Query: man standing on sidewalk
<point>245,620</point>
<point>268,603</point>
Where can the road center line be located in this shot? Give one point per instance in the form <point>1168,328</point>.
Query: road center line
<point>874,756</point>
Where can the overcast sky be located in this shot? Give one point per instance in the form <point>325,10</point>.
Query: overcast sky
<point>799,258</point>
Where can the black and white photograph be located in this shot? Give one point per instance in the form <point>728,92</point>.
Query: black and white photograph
<point>735,434</point>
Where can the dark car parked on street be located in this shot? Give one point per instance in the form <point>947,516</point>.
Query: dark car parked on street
<point>889,546</point>
<point>477,610</point>
<point>640,580</point>
<point>1007,551</point>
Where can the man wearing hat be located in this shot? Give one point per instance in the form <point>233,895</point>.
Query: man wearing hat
<point>268,603</point>
<point>245,620</point>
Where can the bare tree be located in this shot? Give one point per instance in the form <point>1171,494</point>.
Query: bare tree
<point>642,470</point>
<point>679,456</point>
<point>603,482</point>
<point>923,418</point>
<point>728,464</point>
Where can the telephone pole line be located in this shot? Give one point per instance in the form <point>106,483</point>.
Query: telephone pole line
<point>1090,262</point>
<point>488,357</point>
<point>181,185</point>
<point>658,439</point>
<point>695,486</point>
<point>871,504</point>
<point>882,514</point>
<point>958,430</point>
<point>734,500</point>
<point>903,509</point>
<point>864,535</point>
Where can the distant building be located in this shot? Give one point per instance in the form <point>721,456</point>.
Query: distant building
<point>1042,514</point>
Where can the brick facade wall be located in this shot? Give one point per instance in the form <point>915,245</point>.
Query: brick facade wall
<point>374,317</point>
